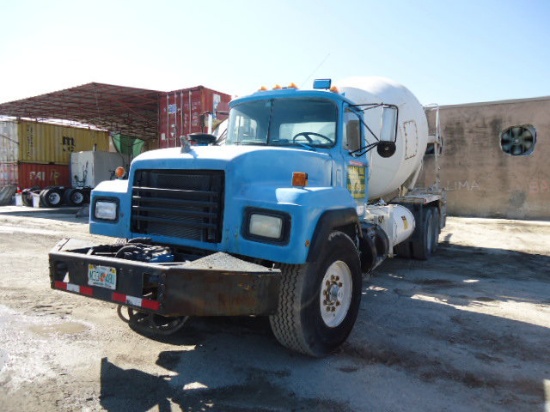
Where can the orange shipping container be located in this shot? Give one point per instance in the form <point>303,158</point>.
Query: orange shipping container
<point>49,143</point>
<point>41,175</point>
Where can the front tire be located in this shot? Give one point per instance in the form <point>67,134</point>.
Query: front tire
<point>319,301</point>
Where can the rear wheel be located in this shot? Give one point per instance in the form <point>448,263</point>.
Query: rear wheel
<point>52,197</point>
<point>319,301</point>
<point>436,229</point>
<point>26,197</point>
<point>424,242</point>
<point>403,250</point>
<point>423,246</point>
<point>75,197</point>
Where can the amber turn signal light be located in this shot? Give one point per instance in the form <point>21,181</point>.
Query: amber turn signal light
<point>299,179</point>
<point>120,172</point>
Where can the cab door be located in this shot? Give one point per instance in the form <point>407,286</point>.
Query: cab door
<point>356,170</point>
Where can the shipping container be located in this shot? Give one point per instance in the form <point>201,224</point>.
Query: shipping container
<point>9,143</point>
<point>45,143</point>
<point>184,111</point>
<point>41,175</point>
<point>8,174</point>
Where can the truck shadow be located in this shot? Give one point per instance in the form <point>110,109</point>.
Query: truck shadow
<point>225,372</point>
<point>423,329</point>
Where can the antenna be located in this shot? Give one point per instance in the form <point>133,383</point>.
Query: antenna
<point>313,72</point>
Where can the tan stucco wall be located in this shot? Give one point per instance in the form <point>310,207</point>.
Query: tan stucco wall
<point>481,179</point>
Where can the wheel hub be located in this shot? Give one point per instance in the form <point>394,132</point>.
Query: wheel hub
<point>333,293</point>
<point>335,298</point>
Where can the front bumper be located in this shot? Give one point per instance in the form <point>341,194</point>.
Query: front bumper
<point>216,285</point>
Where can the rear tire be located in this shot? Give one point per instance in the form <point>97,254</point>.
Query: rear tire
<point>436,229</point>
<point>26,197</point>
<point>423,247</point>
<point>424,241</point>
<point>319,301</point>
<point>403,249</point>
<point>51,197</point>
<point>74,197</point>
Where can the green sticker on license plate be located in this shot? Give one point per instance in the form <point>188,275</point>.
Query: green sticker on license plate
<point>102,276</point>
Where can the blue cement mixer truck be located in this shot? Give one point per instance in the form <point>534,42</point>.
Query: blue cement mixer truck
<point>310,191</point>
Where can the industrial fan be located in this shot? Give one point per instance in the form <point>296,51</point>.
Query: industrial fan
<point>518,140</point>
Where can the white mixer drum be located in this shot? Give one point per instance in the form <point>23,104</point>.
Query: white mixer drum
<point>388,174</point>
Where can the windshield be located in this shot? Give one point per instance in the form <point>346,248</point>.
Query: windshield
<point>283,122</point>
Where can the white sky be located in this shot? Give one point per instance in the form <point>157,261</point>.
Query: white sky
<point>445,52</point>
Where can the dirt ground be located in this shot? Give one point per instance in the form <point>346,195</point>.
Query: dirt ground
<point>467,330</point>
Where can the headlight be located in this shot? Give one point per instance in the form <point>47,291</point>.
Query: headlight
<point>265,226</point>
<point>106,210</point>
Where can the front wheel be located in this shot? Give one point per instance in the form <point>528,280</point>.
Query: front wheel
<point>319,301</point>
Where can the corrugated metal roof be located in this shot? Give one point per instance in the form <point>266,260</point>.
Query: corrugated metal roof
<point>126,110</point>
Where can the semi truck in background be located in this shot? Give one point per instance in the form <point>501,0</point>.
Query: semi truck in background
<point>88,169</point>
<point>311,190</point>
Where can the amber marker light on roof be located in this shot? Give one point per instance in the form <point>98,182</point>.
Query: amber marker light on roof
<point>120,172</point>
<point>334,89</point>
<point>292,86</point>
<point>262,89</point>
<point>299,179</point>
<point>277,87</point>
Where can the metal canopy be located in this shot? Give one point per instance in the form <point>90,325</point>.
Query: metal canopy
<point>126,110</point>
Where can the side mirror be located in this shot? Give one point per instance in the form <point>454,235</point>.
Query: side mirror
<point>385,149</point>
<point>388,129</point>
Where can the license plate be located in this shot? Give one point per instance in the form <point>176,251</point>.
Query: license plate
<point>102,276</point>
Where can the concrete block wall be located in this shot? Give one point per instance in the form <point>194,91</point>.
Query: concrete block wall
<point>482,180</point>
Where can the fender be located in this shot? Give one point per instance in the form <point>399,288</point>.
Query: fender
<point>330,220</point>
<point>305,206</point>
